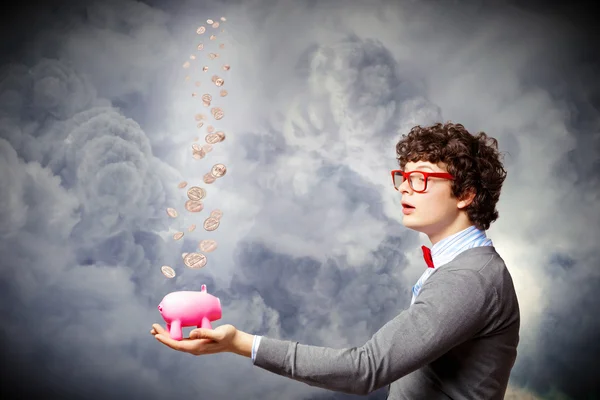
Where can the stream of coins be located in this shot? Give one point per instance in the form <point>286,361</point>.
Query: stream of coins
<point>207,89</point>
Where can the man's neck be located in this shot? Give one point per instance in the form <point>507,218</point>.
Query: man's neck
<point>459,225</point>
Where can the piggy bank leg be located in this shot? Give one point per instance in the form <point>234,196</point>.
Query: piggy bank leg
<point>175,330</point>
<point>205,323</point>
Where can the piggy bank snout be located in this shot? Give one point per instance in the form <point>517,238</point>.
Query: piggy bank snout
<point>160,308</point>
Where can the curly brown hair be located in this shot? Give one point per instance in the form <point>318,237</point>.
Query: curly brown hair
<point>473,160</point>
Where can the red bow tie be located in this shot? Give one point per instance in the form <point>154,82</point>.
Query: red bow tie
<point>427,256</point>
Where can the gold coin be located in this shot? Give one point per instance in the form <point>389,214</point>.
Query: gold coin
<point>205,68</point>
<point>209,21</point>
<point>221,135</point>
<point>167,271</point>
<point>186,64</point>
<point>218,170</point>
<point>210,224</point>
<point>210,129</point>
<point>206,98</point>
<point>184,254</point>
<point>212,56</point>
<point>187,78</point>
<point>200,46</point>
<point>214,78</point>
<point>182,184</point>
<point>200,125</point>
<point>212,138</point>
<point>208,178</point>
<point>171,212</point>
<point>220,82</point>
<point>200,30</point>
<point>222,46</point>
<point>216,213</point>
<point>196,147</point>
<point>194,94</point>
<point>207,245</point>
<point>223,19</point>
<point>215,25</point>
<point>199,117</point>
<point>198,155</point>
<point>223,93</point>
<point>195,260</point>
<point>178,235</point>
<point>192,228</point>
<point>212,37</point>
<point>197,83</point>
<point>196,139</point>
<point>194,206</point>
<point>226,67</point>
<point>206,104</point>
<point>192,57</point>
<point>207,148</point>
<point>196,193</point>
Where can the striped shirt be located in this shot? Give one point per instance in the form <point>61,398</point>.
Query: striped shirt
<point>446,250</point>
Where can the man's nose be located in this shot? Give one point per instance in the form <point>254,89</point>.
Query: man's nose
<point>404,187</point>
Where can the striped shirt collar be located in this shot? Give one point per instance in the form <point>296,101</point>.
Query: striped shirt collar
<point>447,249</point>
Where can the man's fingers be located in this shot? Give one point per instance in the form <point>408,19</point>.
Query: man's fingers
<point>179,345</point>
<point>158,328</point>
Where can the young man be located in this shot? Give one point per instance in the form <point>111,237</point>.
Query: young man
<point>458,339</point>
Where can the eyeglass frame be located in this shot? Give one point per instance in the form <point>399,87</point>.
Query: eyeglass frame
<point>406,175</point>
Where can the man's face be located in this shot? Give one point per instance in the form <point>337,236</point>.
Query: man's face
<point>435,209</point>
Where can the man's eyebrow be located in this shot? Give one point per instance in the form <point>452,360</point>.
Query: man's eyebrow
<point>424,167</point>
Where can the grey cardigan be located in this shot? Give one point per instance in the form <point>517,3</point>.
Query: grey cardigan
<point>457,341</point>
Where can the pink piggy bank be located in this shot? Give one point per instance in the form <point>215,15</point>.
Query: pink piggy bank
<point>183,309</point>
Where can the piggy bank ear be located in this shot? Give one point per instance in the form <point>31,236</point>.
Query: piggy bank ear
<point>203,288</point>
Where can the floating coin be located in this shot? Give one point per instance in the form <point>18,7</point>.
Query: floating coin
<point>212,37</point>
<point>184,254</point>
<point>205,68</point>
<point>206,104</point>
<point>221,135</point>
<point>216,110</point>
<point>219,115</point>
<point>167,271</point>
<point>199,117</point>
<point>210,224</point>
<point>207,148</point>
<point>187,78</point>
<point>226,67</point>
<point>209,21</point>
<point>214,78</point>
<point>200,30</point>
<point>196,193</point>
<point>212,138</point>
<point>182,184</point>
<point>200,46</point>
<point>171,212</point>
<point>186,64</point>
<point>196,139</point>
<point>220,82</point>
<point>223,93</point>
<point>195,260</point>
<point>194,206</point>
<point>206,98</point>
<point>198,155</point>
<point>192,228</point>
<point>208,178</point>
<point>216,213</point>
<point>212,56</point>
<point>215,25</point>
<point>192,57</point>
<point>210,129</point>
<point>207,245</point>
<point>222,46</point>
<point>196,147</point>
<point>194,94</point>
<point>200,125</point>
<point>197,83</point>
<point>218,170</point>
<point>178,235</point>
<point>223,19</point>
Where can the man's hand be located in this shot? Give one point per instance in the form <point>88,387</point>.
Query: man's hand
<point>225,338</point>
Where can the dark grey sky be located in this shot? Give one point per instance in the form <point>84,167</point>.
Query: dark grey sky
<point>96,124</point>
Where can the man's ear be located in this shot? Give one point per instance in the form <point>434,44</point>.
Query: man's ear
<point>466,199</point>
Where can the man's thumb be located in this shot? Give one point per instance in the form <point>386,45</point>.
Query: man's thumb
<point>200,333</point>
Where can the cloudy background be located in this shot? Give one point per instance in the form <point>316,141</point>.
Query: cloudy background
<point>96,127</point>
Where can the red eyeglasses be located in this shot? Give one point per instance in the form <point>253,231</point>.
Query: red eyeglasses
<point>417,180</point>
